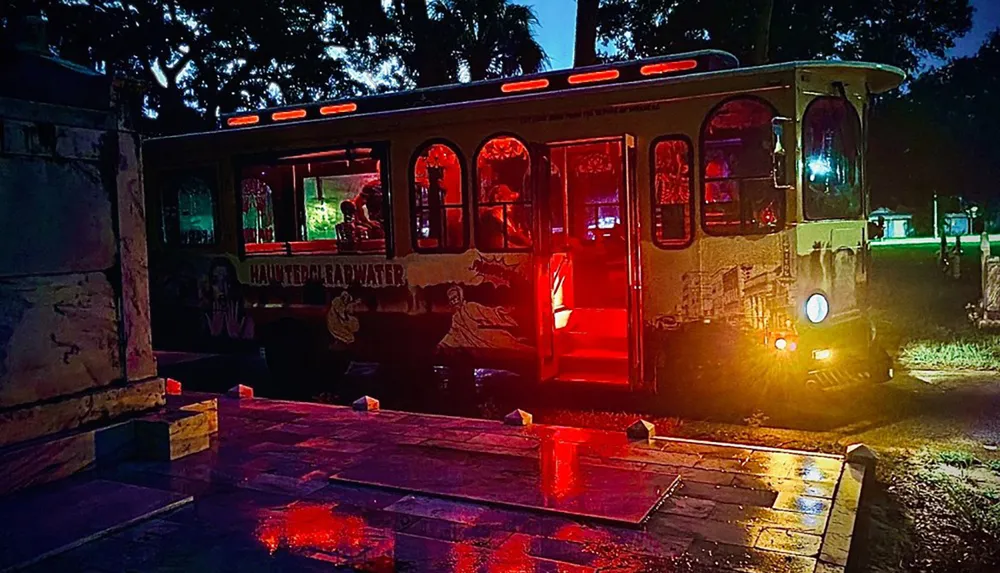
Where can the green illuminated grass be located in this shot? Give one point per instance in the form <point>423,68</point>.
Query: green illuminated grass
<point>920,314</point>
<point>957,459</point>
<point>970,352</point>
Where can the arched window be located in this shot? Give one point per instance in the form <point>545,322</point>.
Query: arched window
<point>437,200</point>
<point>672,192</point>
<point>831,146</point>
<point>738,196</point>
<point>258,212</point>
<point>503,195</point>
<point>188,216</point>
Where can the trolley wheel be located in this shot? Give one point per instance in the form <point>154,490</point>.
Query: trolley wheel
<point>287,359</point>
<point>880,365</point>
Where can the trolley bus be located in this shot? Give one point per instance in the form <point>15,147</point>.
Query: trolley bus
<point>635,226</point>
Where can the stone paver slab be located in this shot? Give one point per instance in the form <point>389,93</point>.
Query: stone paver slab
<point>802,503</point>
<point>728,494</point>
<point>721,556</point>
<point>62,518</point>
<point>554,482</point>
<point>796,542</point>
<point>796,521</point>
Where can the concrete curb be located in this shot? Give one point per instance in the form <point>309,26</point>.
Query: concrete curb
<point>835,551</point>
<point>747,446</point>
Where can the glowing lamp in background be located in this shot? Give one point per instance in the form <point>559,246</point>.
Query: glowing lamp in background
<point>817,308</point>
<point>819,168</point>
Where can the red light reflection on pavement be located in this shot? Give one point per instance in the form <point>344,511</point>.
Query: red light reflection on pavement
<point>512,556</point>
<point>611,554</point>
<point>338,539</point>
<point>466,558</point>
<point>560,473</point>
<point>312,527</point>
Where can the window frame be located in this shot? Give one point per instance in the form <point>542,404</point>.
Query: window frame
<point>476,203</point>
<point>860,162</point>
<point>411,173</point>
<point>702,165</point>
<point>655,204</point>
<point>240,162</point>
<point>208,168</point>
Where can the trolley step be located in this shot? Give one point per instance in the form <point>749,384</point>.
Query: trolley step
<point>594,364</point>
<point>612,322</point>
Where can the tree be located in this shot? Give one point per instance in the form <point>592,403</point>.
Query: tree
<point>423,44</point>
<point>197,61</point>
<point>441,41</point>
<point>762,36</point>
<point>585,47</point>
<point>940,135</point>
<point>490,38</point>
<point>886,31</point>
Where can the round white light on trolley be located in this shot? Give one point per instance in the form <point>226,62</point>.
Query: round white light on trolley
<point>817,308</point>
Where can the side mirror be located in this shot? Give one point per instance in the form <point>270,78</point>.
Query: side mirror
<point>779,161</point>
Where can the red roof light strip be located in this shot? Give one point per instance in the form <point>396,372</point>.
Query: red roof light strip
<point>591,77</point>
<point>668,67</point>
<point>524,86</point>
<point>339,108</point>
<point>290,114</point>
<point>243,120</point>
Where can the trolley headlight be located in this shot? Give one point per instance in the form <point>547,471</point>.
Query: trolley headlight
<point>817,308</point>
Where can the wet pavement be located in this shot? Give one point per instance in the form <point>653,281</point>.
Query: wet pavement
<point>292,486</point>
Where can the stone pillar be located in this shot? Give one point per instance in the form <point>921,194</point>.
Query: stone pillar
<point>75,344</point>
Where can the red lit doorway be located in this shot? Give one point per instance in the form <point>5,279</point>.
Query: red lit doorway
<point>587,262</point>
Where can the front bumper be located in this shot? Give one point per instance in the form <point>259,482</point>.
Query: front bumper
<point>838,353</point>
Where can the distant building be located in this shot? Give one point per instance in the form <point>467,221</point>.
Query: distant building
<point>957,224</point>
<point>897,225</point>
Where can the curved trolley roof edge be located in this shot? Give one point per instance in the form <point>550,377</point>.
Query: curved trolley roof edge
<point>664,70</point>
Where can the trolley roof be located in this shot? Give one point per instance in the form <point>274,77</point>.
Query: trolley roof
<point>879,78</point>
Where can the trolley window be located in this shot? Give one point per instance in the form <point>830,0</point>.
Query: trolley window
<point>831,142</point>
<point>329,201</point>
<point>673,197</point>
<point>503,198</point>
<point>188,207</point>
<point>738,195</point>
<point>437,200</point>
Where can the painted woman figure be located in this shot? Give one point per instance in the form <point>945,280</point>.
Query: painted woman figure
<point>226,316</point>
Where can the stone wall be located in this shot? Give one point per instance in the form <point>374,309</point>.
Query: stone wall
<point>74,309</point>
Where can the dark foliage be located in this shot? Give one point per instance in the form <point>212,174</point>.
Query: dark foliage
<point>885,31</point>
<point>940,136</point>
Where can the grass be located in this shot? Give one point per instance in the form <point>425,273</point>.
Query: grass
<point>965,460</point>
<point>920,314</point>
<point>970,351</point>
<point>956,521</point>
<point>957,459</point>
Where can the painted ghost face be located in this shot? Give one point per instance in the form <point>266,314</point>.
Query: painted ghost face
<point>455,297</point>
<point>220,283</point>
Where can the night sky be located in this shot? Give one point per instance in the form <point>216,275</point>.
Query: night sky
<point>557,22</point>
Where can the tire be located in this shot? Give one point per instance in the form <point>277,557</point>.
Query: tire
<point>286,357</point>
<point>880,367</point>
